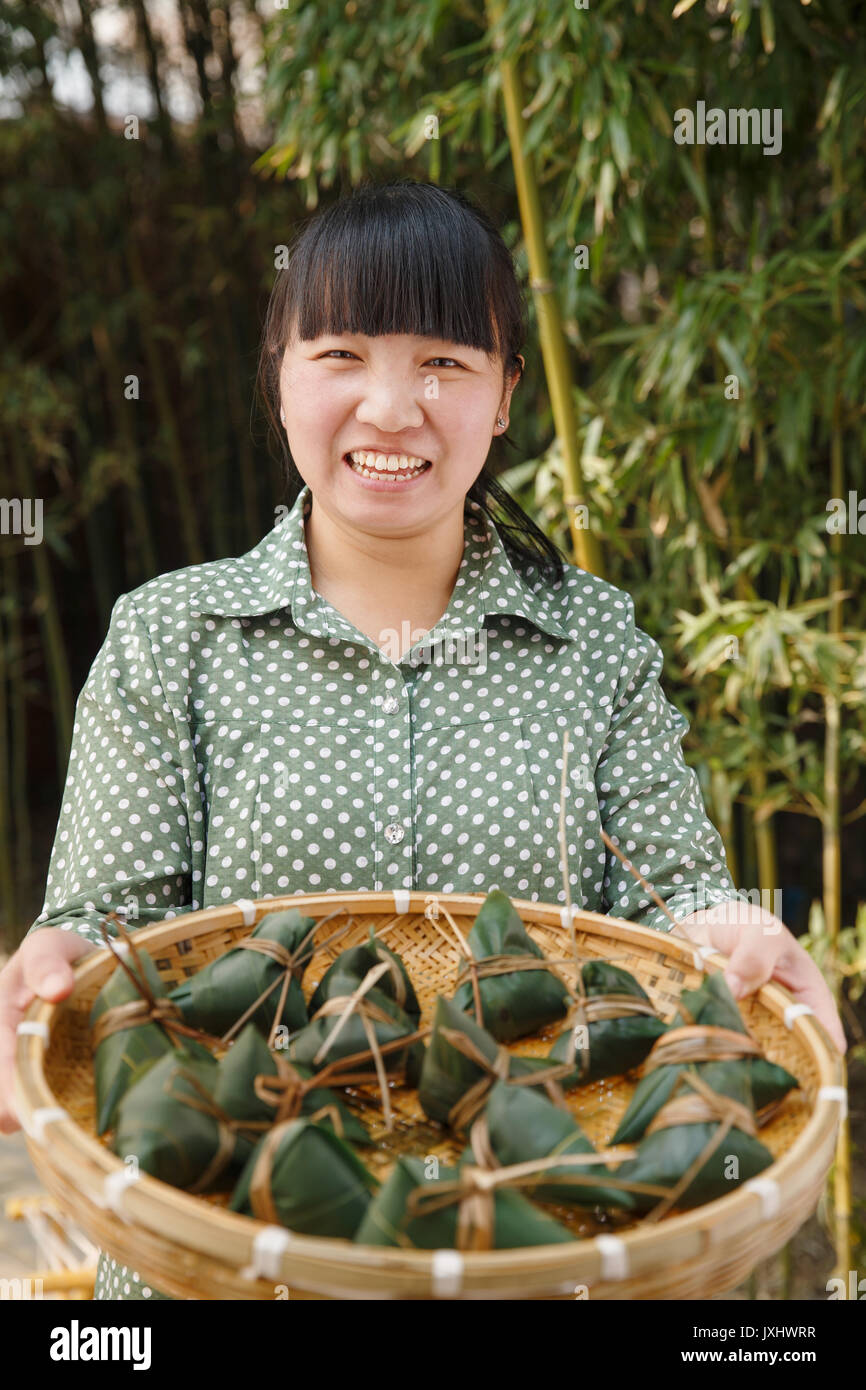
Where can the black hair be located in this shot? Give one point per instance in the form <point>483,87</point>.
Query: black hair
<point>405,257</point>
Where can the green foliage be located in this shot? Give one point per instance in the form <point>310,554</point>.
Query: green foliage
<point>842,958</point>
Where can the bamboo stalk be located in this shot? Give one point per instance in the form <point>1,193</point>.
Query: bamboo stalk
<point>832,854</point>
<point>724,817</point>
<point>763,832</point>
<point>55,650</point>
<point>554,349</point>
<point>86,43</point>
<point>154,56</point>
<point>175,456</point>
<point>19,771</point>
<point>765,837</point>
<point>8,896</point>
<point>108,358</point>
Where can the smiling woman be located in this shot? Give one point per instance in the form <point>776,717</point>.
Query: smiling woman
<point>250,726</point>
<point>395,329</point>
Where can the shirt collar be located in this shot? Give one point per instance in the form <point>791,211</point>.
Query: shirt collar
<point>276,574</point>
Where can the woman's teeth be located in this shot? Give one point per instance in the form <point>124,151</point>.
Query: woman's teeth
<point>384,467</point>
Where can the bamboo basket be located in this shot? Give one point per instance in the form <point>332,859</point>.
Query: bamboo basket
<point>193,1247</point>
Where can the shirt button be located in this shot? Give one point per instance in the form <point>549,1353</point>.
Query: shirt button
<point>390,705</point>
<point>394,833</point>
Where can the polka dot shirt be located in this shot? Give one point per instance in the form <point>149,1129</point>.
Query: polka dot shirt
<point>237,737</point>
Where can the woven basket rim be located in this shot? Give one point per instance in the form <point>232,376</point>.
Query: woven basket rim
<point>228,1237</point>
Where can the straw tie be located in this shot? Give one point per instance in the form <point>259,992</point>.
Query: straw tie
<point>133,1014</point>
<point>369,1012</point>
<point>261,1197</point>
<point>148,1008</point>
<point>700,1042</point>
<point>286,1092</point>
<point>464,1111</point>
<point>293,965</point>
<point>476,970</point>
<point>595,1008</point>
<point>476,1186</point>
<point>228,1128</point>
<point>397,977</point>
<point>705,1107</point>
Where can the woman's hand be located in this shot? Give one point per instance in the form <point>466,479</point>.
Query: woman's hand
<point>760,948</point>
<point>41,967</point>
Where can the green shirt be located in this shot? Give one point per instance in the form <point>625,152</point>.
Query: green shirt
<point>238,738</point>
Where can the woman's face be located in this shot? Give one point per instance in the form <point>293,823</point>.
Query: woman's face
<point>427,398</point>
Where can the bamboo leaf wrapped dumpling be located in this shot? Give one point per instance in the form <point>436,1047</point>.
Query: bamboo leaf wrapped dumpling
<point>611,1027</point>
<point>272,958</point>
<point>350,967</point>
<point>708,1027</point>
<point>417,1212</point>
<point>519,989</point>
<point>302,1176</point>
<point>462,1062</point>
<point>262,1087</point>
<point>361,1020</point>
<point>131,1029</point>
<point>708,1114</point>
<point>170,1122</point>
<point>519,1125</point>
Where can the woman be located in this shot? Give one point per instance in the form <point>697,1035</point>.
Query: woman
<point>375,696</point>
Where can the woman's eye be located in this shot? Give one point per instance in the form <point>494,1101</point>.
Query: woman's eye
<point>344,352</point>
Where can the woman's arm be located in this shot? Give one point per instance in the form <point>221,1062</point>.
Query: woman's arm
<point>653,810</point>
<point>650,799</point>
<point>123,838</point>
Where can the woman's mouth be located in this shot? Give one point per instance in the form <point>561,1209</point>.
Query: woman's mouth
<point>386,470</point>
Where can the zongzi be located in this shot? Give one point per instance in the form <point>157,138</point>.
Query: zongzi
<point>302,1176</point>
<point>708,1028</point>
<point>363,1020</point>
<point>266,966</point>
<point>462,1062</point>
<point>350,968</point>
<point>170,1123</point>
<point>130,1031</point>
<point>611,1026</point>
<point>447,1210</point>
<point>519,990</point>
<point>257,1085</point>
<point>519,1125</point>
<point>709,1116</point>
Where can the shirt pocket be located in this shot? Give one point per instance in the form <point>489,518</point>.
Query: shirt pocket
<point>226,755</point>
<point>542,735</point>
<point>314,823</point>
<point>474,809</point>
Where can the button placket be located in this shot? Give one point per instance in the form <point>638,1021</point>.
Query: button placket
<point>394,855</point>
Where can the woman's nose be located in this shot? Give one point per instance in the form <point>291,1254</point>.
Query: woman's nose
<point>390,408</point>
